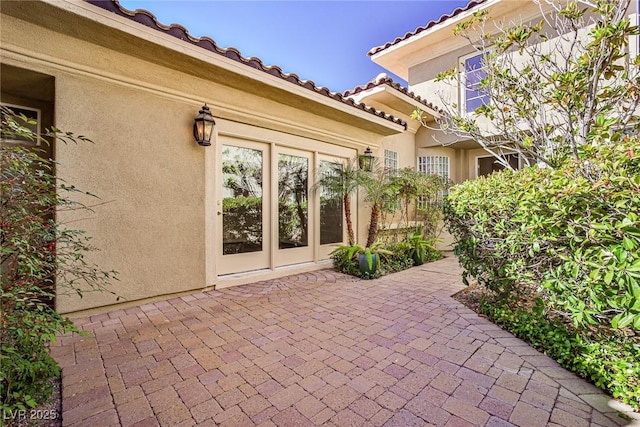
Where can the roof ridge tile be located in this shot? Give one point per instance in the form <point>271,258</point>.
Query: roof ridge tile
<point>144,17</point>
<point>457,11</point>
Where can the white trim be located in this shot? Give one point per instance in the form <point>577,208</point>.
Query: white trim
<point>212,209</point>
<point>36,130</point>
<point>634,41</point>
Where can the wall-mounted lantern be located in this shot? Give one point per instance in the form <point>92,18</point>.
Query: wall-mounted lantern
<point>365,161</point>
<point>203,126</point>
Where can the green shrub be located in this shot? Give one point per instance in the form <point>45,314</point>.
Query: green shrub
<point>393,258</point>
<point>347,257</point>
<point>347,264</point>
<point>410,196</point>
<point>27,367</point>
<point>559,249</point>
<point>610,362</point>
<point>399,259</point>
<point>39,257</point>
<point>574,231</point>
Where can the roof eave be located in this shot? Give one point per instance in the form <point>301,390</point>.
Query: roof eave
<point>380,121</point>
<point>410,103</point>
<point>396,57</point>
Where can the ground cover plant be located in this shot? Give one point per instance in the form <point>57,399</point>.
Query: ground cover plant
<point>39,257</point>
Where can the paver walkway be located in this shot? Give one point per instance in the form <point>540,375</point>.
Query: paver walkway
<point>319,348</point>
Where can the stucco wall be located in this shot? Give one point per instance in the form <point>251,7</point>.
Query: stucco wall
<point>148,172</point>
<point>404,145</point>
<point>153,222</point>
<point>422,78</point>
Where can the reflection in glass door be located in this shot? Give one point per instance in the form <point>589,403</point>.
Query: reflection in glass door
<point>293,201</point>
<point>331,203</point>
<point>243,209</point>
<point>295,210</point>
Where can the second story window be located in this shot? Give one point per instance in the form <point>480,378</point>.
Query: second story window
<point>473,96</point>
<point>390,160</point>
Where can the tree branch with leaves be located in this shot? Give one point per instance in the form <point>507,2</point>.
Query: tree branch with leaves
<point>554,85</point>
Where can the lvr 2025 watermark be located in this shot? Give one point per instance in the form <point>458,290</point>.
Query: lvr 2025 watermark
<point>30,414</point>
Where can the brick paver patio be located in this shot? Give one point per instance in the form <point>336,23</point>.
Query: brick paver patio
<point>319,348</point>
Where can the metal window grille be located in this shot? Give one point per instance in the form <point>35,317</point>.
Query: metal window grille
<point>433,165</point>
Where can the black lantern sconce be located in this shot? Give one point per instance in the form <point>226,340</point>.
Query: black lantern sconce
<point>203,126</point>
<point>365,161</point>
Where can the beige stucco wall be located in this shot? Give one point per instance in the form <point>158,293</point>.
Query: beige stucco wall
<point>154,220</point>
<point>150,175</point>
<point>422,78</point>
<point>404,145</point>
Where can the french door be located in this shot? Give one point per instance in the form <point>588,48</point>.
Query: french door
<point>295,208</point>
<point>244,212</point>
<point>269,213</point>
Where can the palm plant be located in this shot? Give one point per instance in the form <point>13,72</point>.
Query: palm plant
<point>419,246</point>
<point>377,188</point>
<point>341,180</point>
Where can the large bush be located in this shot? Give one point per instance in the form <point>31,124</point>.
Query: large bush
<point>571,235</point>
<point>566,237</point>
<point>39,257</point>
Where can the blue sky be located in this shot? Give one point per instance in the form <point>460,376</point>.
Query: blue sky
<point>323,41</point>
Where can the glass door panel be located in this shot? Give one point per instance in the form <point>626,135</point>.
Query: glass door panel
<point>332,223</point>
<point>293,201</point>
<point>244,209</point>
<point>242,200</point>
<point>294,210</point>
<point>331,203</point>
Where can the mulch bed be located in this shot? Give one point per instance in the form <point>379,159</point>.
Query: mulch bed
<point>471,297</point>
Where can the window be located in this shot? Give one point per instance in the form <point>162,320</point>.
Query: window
<point>435,165</point>
<point>474,96</point>
<point>33,124</point>
<point>390,160</point>
<point>488,164</point>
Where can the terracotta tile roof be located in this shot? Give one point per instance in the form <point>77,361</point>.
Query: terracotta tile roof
<point>472,4</point>
<point>148,19</point>
<point>384,79</point>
